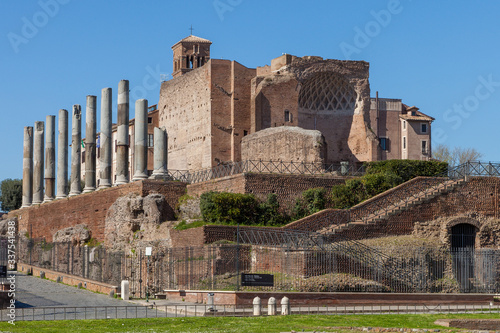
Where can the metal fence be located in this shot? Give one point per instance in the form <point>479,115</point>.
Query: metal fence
<point>259,166</point>
<point>204,310</point>
<point>339,266</point>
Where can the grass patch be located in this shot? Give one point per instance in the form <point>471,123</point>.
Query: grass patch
<point>234,324</point>
<point>183,225</point>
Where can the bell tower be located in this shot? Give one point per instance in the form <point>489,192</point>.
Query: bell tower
<point>190,53</point>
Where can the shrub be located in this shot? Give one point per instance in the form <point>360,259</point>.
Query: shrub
<point>312,200</point>
<point>233,208</point>
<point>229,208</point>
<point>407,169</point>
<point>269,213</point>
<point>348,195</point>
<point>381,176</point>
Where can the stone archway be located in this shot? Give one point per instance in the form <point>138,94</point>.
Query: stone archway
<point>462,232</point>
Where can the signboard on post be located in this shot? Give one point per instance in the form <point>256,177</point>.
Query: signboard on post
<point>149,250</point>
<point>264,280</point>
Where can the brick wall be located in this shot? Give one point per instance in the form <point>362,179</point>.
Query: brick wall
<point>477,197</point>
<point>90,208</point>
<point>287,187</point>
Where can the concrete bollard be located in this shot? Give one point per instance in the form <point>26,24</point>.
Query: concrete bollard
<point>271,306</point>
<point>256,306</point>
<point>285,306</point>
<point>125,290</point>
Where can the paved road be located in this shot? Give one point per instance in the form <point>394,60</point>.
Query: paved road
<point>35,292</point>
<point>39,299</point>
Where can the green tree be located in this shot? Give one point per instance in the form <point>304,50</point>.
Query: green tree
<point>11,194</point>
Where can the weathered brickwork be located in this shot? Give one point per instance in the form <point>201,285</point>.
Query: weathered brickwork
<point>476,199</point>
<point>211,104</point>
<point>90,208</point>
<point>184,110</point>
<point>287,187</point>
<point>291,144</point>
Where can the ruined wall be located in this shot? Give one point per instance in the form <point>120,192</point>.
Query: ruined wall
<point>241,77</point>
<point>272,95</point>
<point>476,199</point>
<point>287,187</point>
<point>184,109</point>
<point>306,88</point>
<point>90,208</point>
<point>286,144</point>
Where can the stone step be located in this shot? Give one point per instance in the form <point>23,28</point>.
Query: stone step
<point>391,209</point>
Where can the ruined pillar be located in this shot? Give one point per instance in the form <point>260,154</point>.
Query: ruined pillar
<point>38,171</point>
<point>90,143</point>
<point>141,140</point>
<point>76,150</point>
<point>105,159</point>
<point>122,134</point>
<point>28,167</point>
<point>62,155</point>
<point>50,158</point>
<point>160,154</point>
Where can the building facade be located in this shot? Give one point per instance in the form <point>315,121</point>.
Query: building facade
<point>211,104</point>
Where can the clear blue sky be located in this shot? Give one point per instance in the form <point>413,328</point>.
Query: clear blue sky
<point>442,57</point>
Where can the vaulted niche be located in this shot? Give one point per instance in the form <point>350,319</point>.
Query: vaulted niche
<point>327,92</point>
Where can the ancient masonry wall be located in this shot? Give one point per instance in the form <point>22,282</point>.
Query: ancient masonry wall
<point>289,143</point>
<point>287,187</point>
<point>42,221</point>
<point>184,109</point>
<point>477,199</point>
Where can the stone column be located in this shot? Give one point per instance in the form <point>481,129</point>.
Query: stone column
<point>106,139</point>
<point>160,154</point>
<point>28,167</point>
<point>38,163</point>
<point>62,155</point>
<point>122,134</point>
<point>50,158</point>
<point>90,134</point>
<point>141,140</point>
<point>76,150</point>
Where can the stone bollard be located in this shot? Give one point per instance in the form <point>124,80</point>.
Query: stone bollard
<point>271,307</point>
<point>79,285</point>
<point>285,306</point>
<point>112,293</point>
<point>42,275</point>
<point>256,306</point>
<point>125,293</point>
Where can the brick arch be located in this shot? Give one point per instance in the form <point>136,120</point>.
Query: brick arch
<point>462,220</point>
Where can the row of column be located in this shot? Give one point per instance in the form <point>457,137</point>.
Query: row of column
<point>34,172</point>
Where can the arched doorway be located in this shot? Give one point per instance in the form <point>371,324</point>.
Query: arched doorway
<point>463,240</point>
<point>463,235</point>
